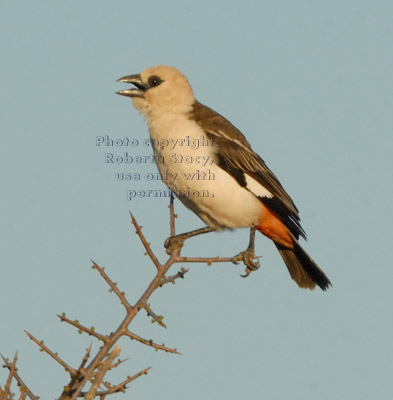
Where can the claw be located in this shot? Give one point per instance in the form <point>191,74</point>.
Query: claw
<point>238,258</point>
<point>173,243</point>
<point>177,242</point>
<point>247,272</point>
<point>250,261</point>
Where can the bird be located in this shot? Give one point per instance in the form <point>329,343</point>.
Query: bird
<point>211,167</point>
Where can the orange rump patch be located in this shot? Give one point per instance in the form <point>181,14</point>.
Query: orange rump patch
<point>271,226</point>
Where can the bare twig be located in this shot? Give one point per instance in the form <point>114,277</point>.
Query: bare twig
<point>208,260</point>
<point>155,317</point>
<point>103,370</point>
<point>113,286</point>
<point>52,354</point>
<point>122,386</point>
<point>91,331</point>
<point>146,245</point>
<point>114,365</point>
<point>172,215</point>
<point>172,279</point>
<point>151,343</point>
<point>23,387</point>
<point>85,358</point>
<point>7,387</point>
<point>22,395</point>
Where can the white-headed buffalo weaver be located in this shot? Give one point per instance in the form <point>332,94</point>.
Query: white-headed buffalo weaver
<point>223,181</point>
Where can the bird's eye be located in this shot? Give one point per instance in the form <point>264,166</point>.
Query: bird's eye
<point>154,81</point>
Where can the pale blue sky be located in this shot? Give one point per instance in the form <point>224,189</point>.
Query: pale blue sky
<point>310,84</point>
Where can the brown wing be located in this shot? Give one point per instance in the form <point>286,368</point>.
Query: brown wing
<point>235,155</point>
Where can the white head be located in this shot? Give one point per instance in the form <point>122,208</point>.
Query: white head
<point>160,89</point>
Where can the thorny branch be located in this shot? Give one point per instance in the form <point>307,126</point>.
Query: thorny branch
<point>101,374</point>
<point>14,374</point>
<point>94,370</point>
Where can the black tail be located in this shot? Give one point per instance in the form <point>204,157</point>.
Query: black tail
<point>303,270</point>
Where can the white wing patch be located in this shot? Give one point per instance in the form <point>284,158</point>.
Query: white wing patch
<point>256,188</point>
<point>230,139</point>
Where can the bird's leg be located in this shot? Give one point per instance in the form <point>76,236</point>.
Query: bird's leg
<point>248,256</point>
<point>176,242</point>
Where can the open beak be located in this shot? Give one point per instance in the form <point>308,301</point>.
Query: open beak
<point>136,81</point>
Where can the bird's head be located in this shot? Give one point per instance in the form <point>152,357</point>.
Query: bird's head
<point>159,89</point>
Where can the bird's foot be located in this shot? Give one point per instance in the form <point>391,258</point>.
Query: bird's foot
<point>250,261</point>
<point>174,243</point>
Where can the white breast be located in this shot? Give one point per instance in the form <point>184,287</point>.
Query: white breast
<point>186,162</point>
